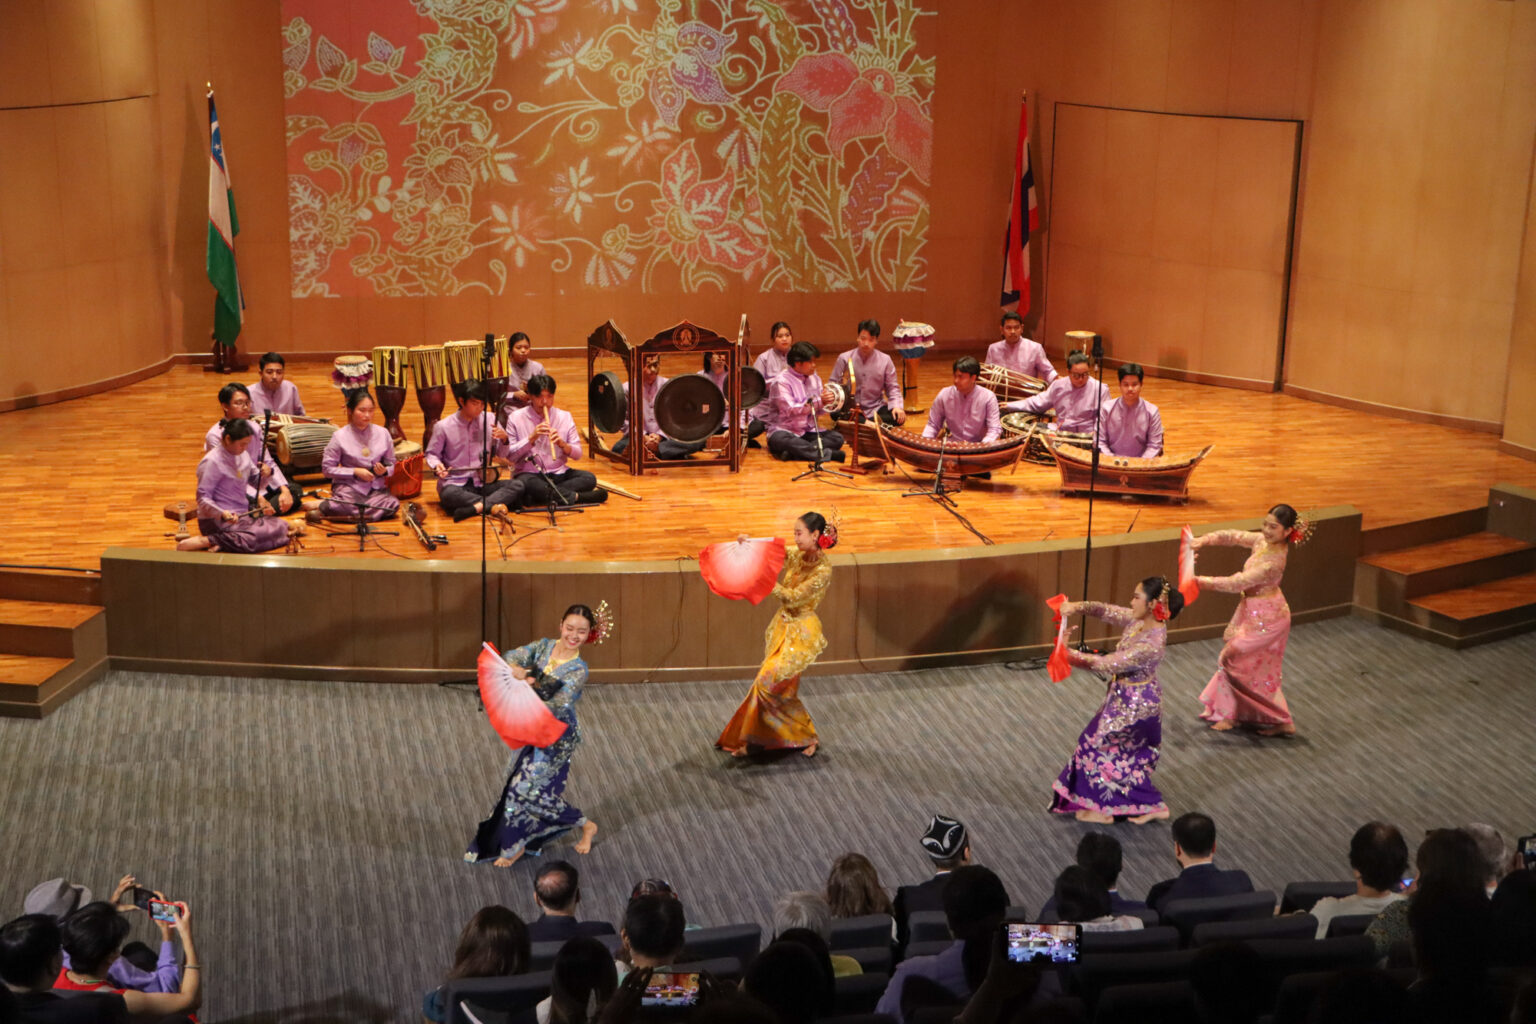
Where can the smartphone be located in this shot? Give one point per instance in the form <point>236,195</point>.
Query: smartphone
<point>1527,850</point>
<point>1057,943</point>
<point>162,910</point>
<point>141,897</point>
<point>672,989</point>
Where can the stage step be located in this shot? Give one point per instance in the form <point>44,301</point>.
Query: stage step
<point>50,648</point>
<point>1477,614</point>
<point>1459,562</point>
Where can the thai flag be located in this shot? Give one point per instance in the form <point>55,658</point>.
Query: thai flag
<point>1023,219</point>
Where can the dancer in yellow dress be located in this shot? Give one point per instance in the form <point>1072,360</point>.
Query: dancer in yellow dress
<point>772,716</point>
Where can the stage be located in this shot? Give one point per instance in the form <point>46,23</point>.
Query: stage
<point>922,589</point>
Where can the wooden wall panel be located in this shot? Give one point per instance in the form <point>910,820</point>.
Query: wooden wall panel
<point>1520,376</point>
<point>1169,237</point>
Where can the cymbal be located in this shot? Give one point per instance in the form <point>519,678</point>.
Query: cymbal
<point>689,407</point>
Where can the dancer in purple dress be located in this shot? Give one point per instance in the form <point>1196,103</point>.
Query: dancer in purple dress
<point>1110,773</point>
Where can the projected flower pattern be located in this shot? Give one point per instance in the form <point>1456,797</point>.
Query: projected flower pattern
<point>708,144</point>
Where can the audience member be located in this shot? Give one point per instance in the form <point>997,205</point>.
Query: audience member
<point>93,937</point>
<point>1447,858</point>
<point>807,911</point>
<point>1514,920</point>
<point>1360,996</point>
<point>138,967</point>
<point>493,944</point>
<point>557,891</point>
<point>975,904</point>
<point>1378,858</point>
<point>30,960</point>
<point>1099,854</point>
<point>1231,983</point>
<point>1081,899</point>
<point>1493,851</point>
<point>948,847</point>
<point>652,932</point>
<point>854,889</point>
<point>581,981</point>
<point>787,978</point>
<point>1451,935</point>
<point>1194,847</point>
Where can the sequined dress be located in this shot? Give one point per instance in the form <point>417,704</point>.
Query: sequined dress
<point>1111,769</point>
<point>532,809</point>
<point>772,714</point>
<point>1246,686</point>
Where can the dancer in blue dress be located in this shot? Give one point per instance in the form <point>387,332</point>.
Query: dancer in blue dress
<point>532,810</point>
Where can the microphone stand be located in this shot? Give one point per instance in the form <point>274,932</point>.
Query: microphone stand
<point>821,455</point>
<point>1093,476</point>
<point>360,529</point>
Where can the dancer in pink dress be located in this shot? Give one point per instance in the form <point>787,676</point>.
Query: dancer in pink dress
<point>1246,687</point>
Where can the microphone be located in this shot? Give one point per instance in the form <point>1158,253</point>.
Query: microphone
<point>489,352</point>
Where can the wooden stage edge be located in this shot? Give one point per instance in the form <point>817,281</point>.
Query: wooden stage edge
<point>419,621</point>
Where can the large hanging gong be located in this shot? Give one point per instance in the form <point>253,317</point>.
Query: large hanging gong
<point>689,408</point>
<point>607,402</point>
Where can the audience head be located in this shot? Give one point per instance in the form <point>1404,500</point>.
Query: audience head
<point>56,898</point>
<point>1449,858</point>
<point>805,911</point>
<point>581,980</point>
<point>793,978</point>
<point>1378,855</point>
<point>1360,996</point>
<point>1451,931</point>
<point>947,843</point>
<point>29,952</point>
<point>975,904</point>
<point>1099,854</point>
<point>1514,919</point>
<point>653,887</point>
<point>93,936</point>
<point>1492,849</point>
<point>1194,837</point>
<point>653,929</point>
<point>854,889</point>
<point>801,353</point>
<point>731,1006</point>
<point>555,887</point>
<point>1231,982</point>
<point>1080,896</point>
<point>494,943</point>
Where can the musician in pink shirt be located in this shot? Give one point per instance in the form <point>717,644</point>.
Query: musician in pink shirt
<point>542,442</point>
<point>224,479</point>
<point>456,451</point>
<point>795,399</point>
<point>272,391</point>
<point>877,393</point>
<point>665,447</point>
<point>357,461</point>
<point>970,412</point>
<point>1075,397</point>
<point>1131,425</point>
<point>235,401</point>
<point>1020,354</point>
<point>770,363</point>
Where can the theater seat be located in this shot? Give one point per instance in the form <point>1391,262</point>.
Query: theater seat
<point>1142,940</point>
<point>927,926</point>
<point>1095,974</point>
<point>741,941</point>
<point>932,948</point>
<point>861,932</point>
<point>1297,956</point>
<point>1288,926</point>
<point>1186,914</point>
<point>873,959</point>
<point>506,996</point>
<point>1349,924</point>
<point>859,993</point>
<point>1304,895</point>
<point>1167,1002</point>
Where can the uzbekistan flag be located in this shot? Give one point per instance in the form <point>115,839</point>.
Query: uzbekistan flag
<point>223,226</point>
<point>1023,219</point>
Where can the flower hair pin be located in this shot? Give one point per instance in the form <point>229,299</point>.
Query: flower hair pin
<point>603,628</point>
<point>1160,605</point>
<point>1300,533</point>
<point>828,538</point>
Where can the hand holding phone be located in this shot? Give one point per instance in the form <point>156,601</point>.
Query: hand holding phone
<point>1527,848</point>
<point>162,910</point>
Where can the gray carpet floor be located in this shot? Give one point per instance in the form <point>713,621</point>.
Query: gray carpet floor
<point>316,828</point>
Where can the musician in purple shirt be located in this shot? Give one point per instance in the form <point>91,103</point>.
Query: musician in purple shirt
<point>272,391</point>
<point>223,516</point>
<point>522,368</point>
<point>235,401</point>
<point>1075,397</point>
<point>357,461</point>
<point>455,453</point>
<point>1019,353</point>
<point>542,442</point>
<point>1131,425</point>
<point>970,412</point>
<point>665,447</point>
<point>876,391</point>
<point>795,399</point>
<point>770,364</point>
<point>714,369</point>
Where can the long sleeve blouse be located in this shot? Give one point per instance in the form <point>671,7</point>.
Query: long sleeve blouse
<point>1263,570</point>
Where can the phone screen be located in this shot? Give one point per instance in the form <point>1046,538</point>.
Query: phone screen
<point>1528,850</point>
<point>162,910</point>
<point>141,897</point>
<point>671,989</point>
<point>1058,943</point>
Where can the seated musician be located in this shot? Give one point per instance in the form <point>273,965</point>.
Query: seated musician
<point>715,369</point>
<point>226,477</point>
<point>770,363</point>
<point>665,447</point>
<point>968,411</point>
<point>455,454</point>
<point>1074,397</point>
<point>795,398</point>
<point>542,442</point>
<point>273,392</point>
<point>1131,425</point>
<point>875,388</point>
<point>522,369</point>
<point>275,494</point>
<point>1018,353</point>
<point>357,461</point>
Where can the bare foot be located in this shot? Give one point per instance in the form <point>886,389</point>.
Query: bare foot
<point>740,751</point>
<point>1278,730</point>
<point>1142,819</point>
<point>810,751</point>
<point>506,862</point>
<point>194,544</point>
<point>584,844</point>
<point>1225,725</point>
<point>1095,818</point>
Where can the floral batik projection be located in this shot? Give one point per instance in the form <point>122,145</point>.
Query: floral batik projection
<point>440,146</point>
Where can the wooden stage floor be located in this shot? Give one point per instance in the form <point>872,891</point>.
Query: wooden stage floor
<point>68,496</point>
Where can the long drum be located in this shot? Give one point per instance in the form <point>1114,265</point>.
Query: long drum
<point>300,446</point>
<point>1009,385</point>
<point>498,373</point>
<point>429,368</point>
<point>1034,430</point>
<point>463,358</point>
<point>389,364</point>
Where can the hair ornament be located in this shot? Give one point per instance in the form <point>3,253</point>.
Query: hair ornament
<point>828,538</point>
<point>1301,532</point>
<point>604,625</point>
<point>1160,604</point>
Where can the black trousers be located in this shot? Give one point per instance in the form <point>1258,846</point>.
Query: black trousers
<point>466,495</point>
<point>804,448</point>
<point>667,449</point>
<point>572,484</point>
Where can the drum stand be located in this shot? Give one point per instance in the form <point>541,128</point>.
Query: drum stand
<point>360,529</point>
